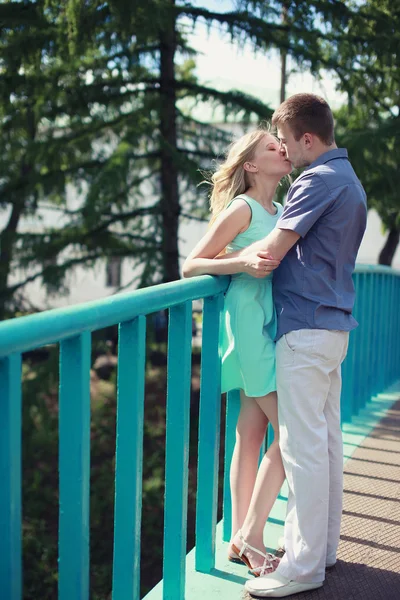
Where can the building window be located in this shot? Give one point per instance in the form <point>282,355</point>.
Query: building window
<point>113,271</point>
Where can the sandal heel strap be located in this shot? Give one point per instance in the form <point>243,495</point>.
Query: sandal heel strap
<point>245,546</point>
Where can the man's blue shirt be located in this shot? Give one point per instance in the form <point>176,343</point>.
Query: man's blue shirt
<point>313,286</point>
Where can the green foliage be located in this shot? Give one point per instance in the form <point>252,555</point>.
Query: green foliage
<point>103,108</point>
<point>369,54</point>
<point>84,109</point>
<point>372,143</point>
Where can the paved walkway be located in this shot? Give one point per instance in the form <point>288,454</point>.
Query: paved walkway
<point>369,552</point>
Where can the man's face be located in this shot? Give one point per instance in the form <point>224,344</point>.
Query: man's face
<point>294,149</point>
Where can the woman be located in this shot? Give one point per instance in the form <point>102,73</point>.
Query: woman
<point>243,211</point>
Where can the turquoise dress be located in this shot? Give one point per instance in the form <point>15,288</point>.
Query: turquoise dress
<point>249,318</point>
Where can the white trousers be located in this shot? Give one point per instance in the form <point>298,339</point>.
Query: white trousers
<point>309,385</point>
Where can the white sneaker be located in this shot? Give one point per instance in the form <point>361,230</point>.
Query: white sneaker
<point>277,586</point>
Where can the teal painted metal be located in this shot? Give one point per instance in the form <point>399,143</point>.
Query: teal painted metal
<point>129,459</point>
<point>177,450</point>
<point>371,289</point>
<point>10,477</point>
<point>392,324</point>
<point>346,399</point>
<point>389,326</point>
<point>396,327</point>
<point>270,435</point>
<point>71,326</point>
<point>372,361</point>
<point>374,339</point>
<point>363,348</point>
<point>357,341</point>
<point>396,361</point>
<point>381,333</point>
<point>74,467</point>
<point>25,333</point>
<point>209,433</point>
<point>368,326</point>
<point>232,414</point>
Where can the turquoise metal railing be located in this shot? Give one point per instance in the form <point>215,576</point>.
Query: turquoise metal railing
<point>71,327</point>
<point>373,359</point>
<point>372,364</point>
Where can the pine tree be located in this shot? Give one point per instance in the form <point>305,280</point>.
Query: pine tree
<point>103,108</point>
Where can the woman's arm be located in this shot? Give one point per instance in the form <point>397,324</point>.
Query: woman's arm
<point>203,258</point>
<point>227,226</point>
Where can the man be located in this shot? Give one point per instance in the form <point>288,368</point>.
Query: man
<point>318,237</point>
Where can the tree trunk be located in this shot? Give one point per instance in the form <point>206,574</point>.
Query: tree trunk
<point>8,240</point>
<point>283,75</point>
<point>170,207</point>
<point>8,237</point>
<point>389,249</point>
<point>284,58</point>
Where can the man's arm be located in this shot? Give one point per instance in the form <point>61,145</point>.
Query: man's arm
<point>308,199</point>
<point>274,246</point>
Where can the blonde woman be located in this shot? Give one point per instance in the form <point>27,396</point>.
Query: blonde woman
<point>243,211</point>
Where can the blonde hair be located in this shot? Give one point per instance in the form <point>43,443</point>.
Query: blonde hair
<point>231,179</point>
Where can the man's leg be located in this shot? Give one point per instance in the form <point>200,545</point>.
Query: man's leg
<point>305,360</point>
<point>335,450</point>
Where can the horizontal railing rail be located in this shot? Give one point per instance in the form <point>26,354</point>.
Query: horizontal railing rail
<point>33,331</point>
<point>372,364</point>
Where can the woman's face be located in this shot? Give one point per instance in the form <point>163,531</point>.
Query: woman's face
<point>270,159</point>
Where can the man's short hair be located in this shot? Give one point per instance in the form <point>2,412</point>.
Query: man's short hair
<point>306,113</point>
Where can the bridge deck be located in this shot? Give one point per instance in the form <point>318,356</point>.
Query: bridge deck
<point>369,553</point>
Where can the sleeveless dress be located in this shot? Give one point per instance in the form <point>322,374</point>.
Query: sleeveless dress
<point>248,324</point>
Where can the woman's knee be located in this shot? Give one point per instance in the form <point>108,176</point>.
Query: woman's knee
<point>251,433</point>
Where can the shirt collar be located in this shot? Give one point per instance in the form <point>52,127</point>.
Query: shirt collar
<point>327,156</point>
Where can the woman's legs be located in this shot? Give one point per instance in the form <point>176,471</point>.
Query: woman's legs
<point>269,480</point>
<point>250,433</point>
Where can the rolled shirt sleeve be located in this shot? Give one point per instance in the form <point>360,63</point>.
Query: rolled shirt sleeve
<point>309,197</point>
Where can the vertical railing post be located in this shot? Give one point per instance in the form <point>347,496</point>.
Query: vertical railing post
<point>74,467</point>
<point>209,434</point>
<point>397,303</point>
<point>357,333</point>
<point>382,331</point>
<point>394,329</point>
<point>361,400</point>
<point>10,477</point>
<point>177,450</point>
<point>370,287</point>
<point>396,357</point>
<point>129,459</point>
<point>377,331</point>
<point>388,326</point>
<point>346,398</point>
<point>363,341</point>
<point>232,414</point>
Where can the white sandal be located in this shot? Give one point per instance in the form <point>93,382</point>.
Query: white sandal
<point>270,561</point>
